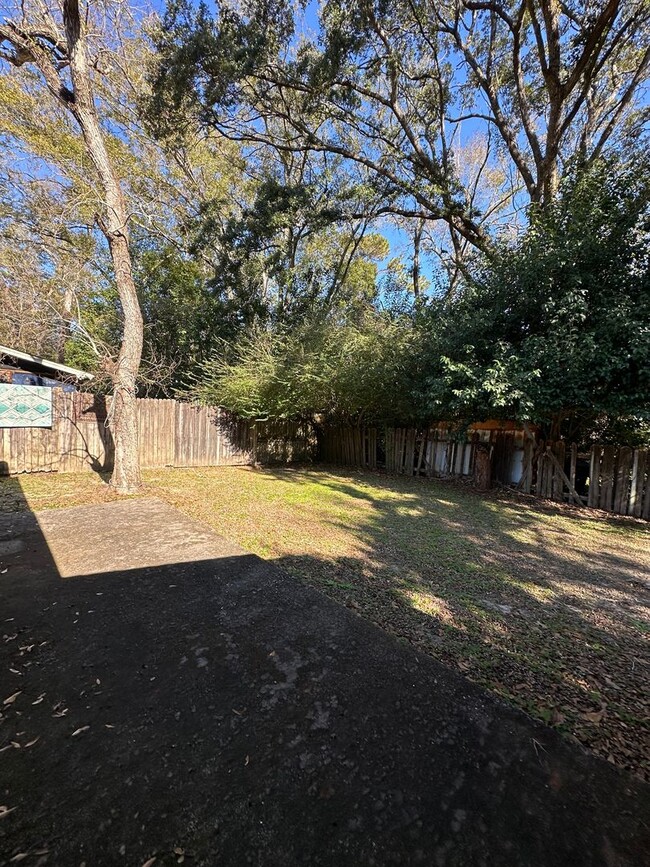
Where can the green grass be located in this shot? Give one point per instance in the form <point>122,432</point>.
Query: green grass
<point>544,606</point>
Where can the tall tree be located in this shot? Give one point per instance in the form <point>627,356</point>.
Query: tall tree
<point>55,40</point>
<point>396,89</point>
<point>556,328</point>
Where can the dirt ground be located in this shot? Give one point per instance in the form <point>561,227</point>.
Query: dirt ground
<point>546,606</point>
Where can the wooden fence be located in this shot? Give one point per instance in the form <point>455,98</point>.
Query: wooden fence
<point>613,478</point>
<point>405,451</point>
<point>171,434</point>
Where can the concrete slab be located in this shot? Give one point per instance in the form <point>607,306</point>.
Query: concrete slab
<point>214,711</point>
<point>87,540</point>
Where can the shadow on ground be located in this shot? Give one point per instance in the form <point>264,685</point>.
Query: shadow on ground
<point>215,711</point>
<point>521,599</point>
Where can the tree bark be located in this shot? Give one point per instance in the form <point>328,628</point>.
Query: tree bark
<point>126,471</point>
<point>483,468</point>
<point>40,42</point>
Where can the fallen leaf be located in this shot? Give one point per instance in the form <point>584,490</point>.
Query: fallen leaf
<point>12,698</point>
<point>31,743</point>
<point>595,716</point>
<point>19,857</point>
<point>79,731</point>
<point>39,699</point>
<point>557,717</point>
<point>149,862</point>
<point>4,811</point>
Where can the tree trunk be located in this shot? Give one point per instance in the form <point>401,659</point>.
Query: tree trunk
<point>126,472</point>
<point>483,468</point>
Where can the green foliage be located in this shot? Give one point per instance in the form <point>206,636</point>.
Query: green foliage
<point>558,328</point>
<point>555,331</point>
<point>325,371</point>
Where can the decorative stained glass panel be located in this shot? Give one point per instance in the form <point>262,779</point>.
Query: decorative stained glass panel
<point>25,406</point>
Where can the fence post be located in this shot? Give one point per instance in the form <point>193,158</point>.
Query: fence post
<point>594,478</point>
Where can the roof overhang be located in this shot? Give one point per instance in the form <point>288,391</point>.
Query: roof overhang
<point>43,362</point>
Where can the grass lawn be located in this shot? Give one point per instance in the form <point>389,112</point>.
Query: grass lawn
<point>546,606</point>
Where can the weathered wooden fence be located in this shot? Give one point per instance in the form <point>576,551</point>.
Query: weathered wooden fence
<point>613,478</point>
<point>171,434</point>
<point>406,451</point>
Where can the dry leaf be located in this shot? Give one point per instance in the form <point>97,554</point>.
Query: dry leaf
<point>557,717</point>
<point>149,862</point>
<point>595,716</point>
<point>12,698</point>
<point>19,857</point>
<point>4,811</point>
<point>31,743</point>
<point>79,731</point>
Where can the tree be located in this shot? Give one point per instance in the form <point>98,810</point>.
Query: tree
<point>393,89</point>
<point>55,40</point>
<point>325,370</point>
<point>556,329</point>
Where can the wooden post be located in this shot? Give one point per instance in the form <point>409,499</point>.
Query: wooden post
<point>558,477</point>
<point>483,467</point>
<point>636,487</point>
<point>574,462</point>
<point>594,478</point>
<point>622,484</point>
<point>607,484</point>
<point>423,445</point>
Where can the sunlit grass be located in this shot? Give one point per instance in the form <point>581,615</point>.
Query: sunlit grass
<point>538,604</point>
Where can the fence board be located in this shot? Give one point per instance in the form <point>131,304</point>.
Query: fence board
<point>573,464</point>
<point>557,493</point>
<point>171,433</point>
<point>607,478</point>
<point>637,482</point>
<point>594,477</point>
<point>622,486</point>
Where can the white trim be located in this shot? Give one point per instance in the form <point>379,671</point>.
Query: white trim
<point>51,365</point>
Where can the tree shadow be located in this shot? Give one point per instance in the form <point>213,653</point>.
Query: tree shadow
<point>547,607</point>
<point>165,701</point>
<point>85,420</point>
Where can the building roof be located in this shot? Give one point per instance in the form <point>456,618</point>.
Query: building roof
<point>44,363</point>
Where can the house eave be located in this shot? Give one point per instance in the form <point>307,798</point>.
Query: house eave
<point>45,363</point>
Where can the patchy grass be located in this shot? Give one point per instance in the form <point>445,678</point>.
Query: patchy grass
<point>547,607</point>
